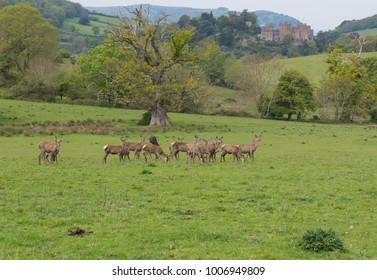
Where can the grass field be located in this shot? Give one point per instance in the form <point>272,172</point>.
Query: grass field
<point>314,66</point>
<point>368,32</point>
<point>102,22</point>
<point>305,176</point>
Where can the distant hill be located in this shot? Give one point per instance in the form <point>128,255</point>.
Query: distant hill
<point>156,11</point>
<point>355,25</point>
<point>268,18</point>
<point>264,17</point>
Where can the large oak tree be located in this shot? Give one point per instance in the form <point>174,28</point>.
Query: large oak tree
<point>150,63</point>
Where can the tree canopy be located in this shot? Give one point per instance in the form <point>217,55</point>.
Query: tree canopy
<point>54,11</point>
<point>152,66</point>
<point>348,85</point>
<point>24,36</point>
<point>294,95</point>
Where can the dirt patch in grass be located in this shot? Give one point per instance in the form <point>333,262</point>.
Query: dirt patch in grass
<point>184,213</point>
<point>79,232</point>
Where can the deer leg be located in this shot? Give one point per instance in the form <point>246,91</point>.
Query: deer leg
<point>222,157</point>
<point>104,157</point>
<point>188,156</point>
<point>145,155</point>
<point>137,155</point>
<point>39,158</point>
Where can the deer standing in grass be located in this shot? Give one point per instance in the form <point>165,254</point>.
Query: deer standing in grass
<point>196,150</point>
<point>179,146</point>
<point>136,147</point>
<point>231,149</point>
<point>49,148</point>
<point>150,148</point>
<point>120,150</point>
<point>249,149</point>
<point>212,148</point>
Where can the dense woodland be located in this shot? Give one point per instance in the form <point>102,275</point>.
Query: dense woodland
<point>163,66</point>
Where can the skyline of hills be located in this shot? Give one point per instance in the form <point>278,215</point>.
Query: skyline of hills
<point>264,17</point>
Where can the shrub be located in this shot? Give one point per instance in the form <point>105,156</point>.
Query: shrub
<point>373,114</point>
<point>320,240</point>
<point>145,119</point>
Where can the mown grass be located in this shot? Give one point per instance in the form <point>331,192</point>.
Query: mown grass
<point>305,176</point>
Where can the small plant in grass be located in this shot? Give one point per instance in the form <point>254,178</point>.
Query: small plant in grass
<point>320,240</point>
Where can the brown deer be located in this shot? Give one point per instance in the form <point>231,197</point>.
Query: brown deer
<point>231,149</point>
<point>136,147</point>
<point>212,148</point>
<point>120,150</point>
<point>150,148</point>
<point>197,150</point>
<point>49,148</point>
<point>249,149</point>
<point>179,146</point>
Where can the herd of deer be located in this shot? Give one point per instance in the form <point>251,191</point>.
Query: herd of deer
<point>204,150</point>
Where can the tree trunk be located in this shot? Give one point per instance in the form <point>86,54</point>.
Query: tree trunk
<point>159,117</point>
<point>289,116</point>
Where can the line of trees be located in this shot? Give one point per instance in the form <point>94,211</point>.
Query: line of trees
<point>54,11</point>
<point>157,67</point>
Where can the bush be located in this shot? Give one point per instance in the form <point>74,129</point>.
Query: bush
<point>373,114</point>
<point>145,119</point>
<point>320,240</point>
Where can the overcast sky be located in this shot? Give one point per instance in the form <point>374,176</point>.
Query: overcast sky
<point>319,14</point>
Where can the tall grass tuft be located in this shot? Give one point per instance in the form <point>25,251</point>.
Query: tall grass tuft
<point>320,240</point>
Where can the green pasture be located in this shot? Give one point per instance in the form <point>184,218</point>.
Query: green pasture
<point>84,29</point>
<point>368,32</point>
<point>101,21</point>
<point>305,176</point>
<point>313,66</point>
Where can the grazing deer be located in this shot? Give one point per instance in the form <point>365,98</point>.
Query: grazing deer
<point>179,146</point>
<point>231,149</point>
<point>249,149</point>
<point>150,148</point>
<point>136,147</point>
<point>49,148</point>
<point>120,150</point>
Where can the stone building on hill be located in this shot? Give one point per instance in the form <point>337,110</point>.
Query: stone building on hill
<point>300,32</point>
